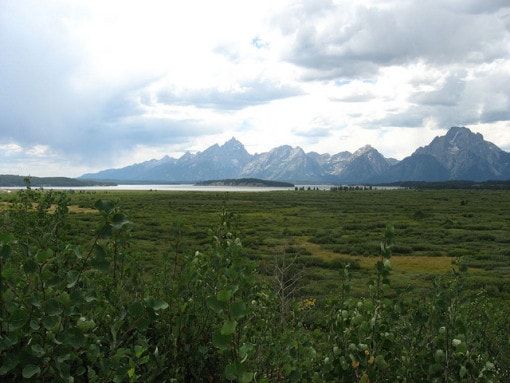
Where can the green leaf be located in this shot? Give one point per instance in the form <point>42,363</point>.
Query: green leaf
<point>231,371</point>
<point>119,220</point>
<point>462,348</point>
<point>34,325</point>
<point>104,206</point>
<point>100,259</point>
<point>10,360</point>
<point>53,308</point>
<point>72,278</point>
<point>37,350</point>
<point>225,295</point>
<point>50,323</point>
<point>36,301</point>
<point>380,362</point>
<point>75,338</point>
<point>221,341</point>
<point>229,327</point>
<point>6,238</point>
<point>245,350</point>
<point>105,231</point>
<point>44,255</point>
<point>63,358</point>
<point>139,350</point>
<point>435,368</point>
<point>463,371</point>
<point>85,325</point>
<point>5,252</point>
<point>238,310</point>
<point>18,319</point>
<point>30,266</point>
<point>7,342</point>
<point>30,370</point>
<point>216,305</point>
<point>246,377</point>
<point>157,304</point>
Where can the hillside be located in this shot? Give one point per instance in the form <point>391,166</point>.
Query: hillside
<point>8,180</point>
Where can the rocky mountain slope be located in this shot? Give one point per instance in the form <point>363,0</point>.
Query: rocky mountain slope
<point>458,155</point>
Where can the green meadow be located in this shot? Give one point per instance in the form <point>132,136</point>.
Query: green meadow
<point>326,230</point>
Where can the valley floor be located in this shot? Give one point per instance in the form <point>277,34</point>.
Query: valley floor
<point>326,230</point>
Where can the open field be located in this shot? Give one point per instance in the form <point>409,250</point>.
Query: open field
<point>156,287</point>
<point>326,230</point>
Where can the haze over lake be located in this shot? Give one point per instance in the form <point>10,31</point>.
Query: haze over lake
<point>182,187</point>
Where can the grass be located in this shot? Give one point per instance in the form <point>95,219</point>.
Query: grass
<point>402,264</point>
<point>72,208</point>
<point>327,230</point>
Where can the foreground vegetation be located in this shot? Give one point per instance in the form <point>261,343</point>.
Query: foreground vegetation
<point>304,287</point>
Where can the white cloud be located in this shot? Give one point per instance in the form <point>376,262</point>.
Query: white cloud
<point>91,84</point>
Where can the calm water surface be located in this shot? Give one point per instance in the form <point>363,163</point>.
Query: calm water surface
<point>190,187</point>
<point>182,187</point>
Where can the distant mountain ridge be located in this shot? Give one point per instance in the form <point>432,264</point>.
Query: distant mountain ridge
<point>10,180</point>
<point>458,155</point>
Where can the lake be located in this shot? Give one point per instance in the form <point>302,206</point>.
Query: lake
<point>191,187</point>
<point>182,187</point>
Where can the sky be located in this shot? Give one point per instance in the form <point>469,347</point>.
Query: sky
<point>87,85</point>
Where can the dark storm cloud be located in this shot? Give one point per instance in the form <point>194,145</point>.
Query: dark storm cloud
<point>356,41</point>
<point>249,93</point>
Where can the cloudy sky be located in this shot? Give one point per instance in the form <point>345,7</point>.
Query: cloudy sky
<point>86,85</point>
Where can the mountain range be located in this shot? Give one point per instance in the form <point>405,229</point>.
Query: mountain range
<point>458,155</point>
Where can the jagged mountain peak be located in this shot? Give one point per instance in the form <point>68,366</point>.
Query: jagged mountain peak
<point>458,139</point>
<point>364,150</point>
<point>459,154</point>
<point>321,158</point>
<point>464,155</point>
<point>287,149</point>
<point>284,163</point>
<point>233,143</point>
<point>455,131</point>
<point>211,148</point>
<point>186,155</point>
<point>341,156</point>
<point>459,135</point>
